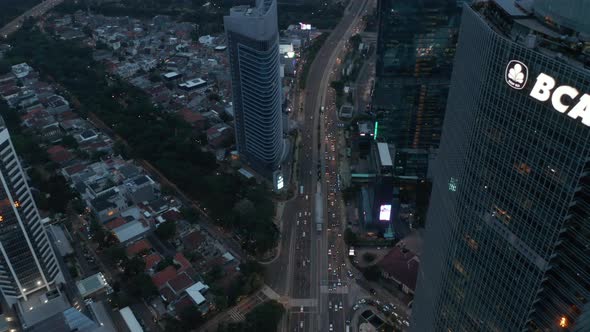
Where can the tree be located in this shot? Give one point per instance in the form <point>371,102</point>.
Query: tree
<point>134,266</point>
<point>350,237</point>
<point>265,317</point>
<point>355,41</point>
<point>338,86</point>
<point>69,142</point>
<point>191,317</point>
<point>369,257</point>
<point>116,254</point>
<point>372,273</point>
<point>141,286</point>
<point>190,214</point>
<point>166,230</point>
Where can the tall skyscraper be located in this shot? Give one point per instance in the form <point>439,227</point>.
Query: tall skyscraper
<point>27,260</point>
<point>508,228</point>
<point>415,50</point>
<point>253,43</point>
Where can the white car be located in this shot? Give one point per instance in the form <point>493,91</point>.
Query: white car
<point>331,327</point>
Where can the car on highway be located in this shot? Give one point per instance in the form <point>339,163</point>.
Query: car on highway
<point>331,327</point>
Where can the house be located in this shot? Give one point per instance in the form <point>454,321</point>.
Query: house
<point>140,189</point>
<point>117,222</point>
<point>196,293</point>
<point>56,104</point>
<point>104,209</point>
<point>193,240</point>
<point>86,135</point>
<point>195,119</point>
<point>138,247</point>
<point>59,154</point>
<point>151,261</point>
<point>219,136</point>
<point>131,231</point>
<point>21,70</point>
<point>400,265</point>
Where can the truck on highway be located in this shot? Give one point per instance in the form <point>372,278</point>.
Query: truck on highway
<point>318,227</point>
<point>300,190</point>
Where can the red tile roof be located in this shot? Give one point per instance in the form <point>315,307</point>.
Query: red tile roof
<point>59,154</point>
<point>172,215</point>
<point>138,246</point>
<point>183,303</point>
<point>180,259</point>
<point>152,260</point>
<point>180,283</point>
<point>115,223</point>
<point>402,265</point>
<point>168,294</point>
<point>190,116</point>
<point>75,169</point>
<point>56,149</point>
<point>161,278</point>
<point>193,240</point>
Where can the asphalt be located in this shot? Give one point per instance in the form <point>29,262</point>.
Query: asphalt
<point>36,11</point>
<point>300,273</point>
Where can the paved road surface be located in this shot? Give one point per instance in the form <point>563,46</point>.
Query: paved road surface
<point>36,11</point>
<point>300,272</point>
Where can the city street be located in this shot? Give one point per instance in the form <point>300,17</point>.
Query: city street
<point>36,11</point>
<point>300,272</point>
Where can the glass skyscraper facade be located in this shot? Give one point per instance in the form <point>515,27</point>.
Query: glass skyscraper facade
<point>415,50</point>
<point>27,260</point>
<point>508,229</point>
<point>253,44</point>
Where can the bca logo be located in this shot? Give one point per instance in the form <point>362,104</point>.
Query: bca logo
<point>516,74</point>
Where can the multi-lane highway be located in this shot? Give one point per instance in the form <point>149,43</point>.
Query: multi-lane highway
<point>36,11</point>
<point>303,273</point>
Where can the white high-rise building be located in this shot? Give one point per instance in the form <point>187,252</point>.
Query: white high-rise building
<point>27,260</point>
<point>253,45</point>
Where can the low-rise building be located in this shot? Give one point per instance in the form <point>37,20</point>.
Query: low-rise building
<point>400,265</point>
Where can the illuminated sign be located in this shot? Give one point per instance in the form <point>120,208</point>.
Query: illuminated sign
<point>564,98</point>
<point>376,126</point>
<point>385,212</point>
<point>516,74</point>
<point>305,26</point>
<point>544,89</point>
<point>280,183</point>
<point>290,55</point>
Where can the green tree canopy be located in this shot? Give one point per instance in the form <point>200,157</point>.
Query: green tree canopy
<point>166,230</point>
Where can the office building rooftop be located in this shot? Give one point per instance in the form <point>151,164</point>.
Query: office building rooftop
<point>536,27</point>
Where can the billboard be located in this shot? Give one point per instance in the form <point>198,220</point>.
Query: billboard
<point>385,212</point>
<point>305,26</point>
